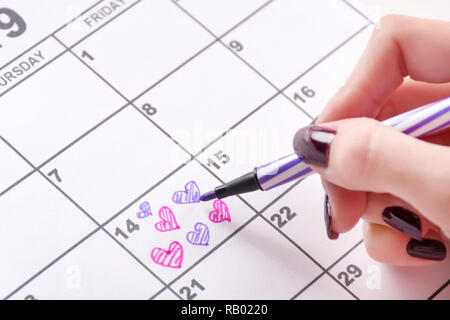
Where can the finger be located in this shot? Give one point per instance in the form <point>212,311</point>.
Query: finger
<point>391,247</point>
<point>399,46</point>
<point>389,211</point>
<point>346,207</point>
<point>365,155</point>
<point>410,95</point>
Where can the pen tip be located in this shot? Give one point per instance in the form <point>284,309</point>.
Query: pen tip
<point>208,196</point>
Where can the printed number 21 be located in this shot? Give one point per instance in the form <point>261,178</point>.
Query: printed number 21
<point>189,294</point>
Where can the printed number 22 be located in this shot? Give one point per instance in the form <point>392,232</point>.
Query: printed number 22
<point>281,222</point>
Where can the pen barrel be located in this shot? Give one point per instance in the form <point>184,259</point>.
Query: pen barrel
<point>428,119</point>
<point>282,171</point>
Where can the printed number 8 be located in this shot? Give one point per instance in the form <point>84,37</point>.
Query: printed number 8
<point>14,20</point>
<point>149,110</point>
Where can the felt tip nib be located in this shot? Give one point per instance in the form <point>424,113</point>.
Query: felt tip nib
<point>208,196</point>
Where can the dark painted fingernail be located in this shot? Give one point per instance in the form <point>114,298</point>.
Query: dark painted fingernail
<point>427,249</point>
<point>327,213</point>
<point>404,221</point>
<point>312,144</point>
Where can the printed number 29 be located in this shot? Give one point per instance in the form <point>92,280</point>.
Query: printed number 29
<point>352,272</point>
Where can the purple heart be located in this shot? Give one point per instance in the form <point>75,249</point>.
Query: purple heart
<point>190,194</point>
<point>145,210</point>
<point>200,236</point>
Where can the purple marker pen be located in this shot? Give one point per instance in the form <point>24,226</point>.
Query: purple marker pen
<point>419,122</point>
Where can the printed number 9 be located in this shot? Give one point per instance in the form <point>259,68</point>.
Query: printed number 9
<point>13,20</point>
<point>236,45</point>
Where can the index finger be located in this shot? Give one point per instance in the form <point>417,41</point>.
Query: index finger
<point>400,46</point>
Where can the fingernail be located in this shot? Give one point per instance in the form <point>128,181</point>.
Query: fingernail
<point>327,213</point>
<point>426,249</point>
<point>312,144</point>
<point>404,221</point>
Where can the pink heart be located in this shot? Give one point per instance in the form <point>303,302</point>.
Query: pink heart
<point>171,258</point>
<point>168,221</point>
<point>220,212</point>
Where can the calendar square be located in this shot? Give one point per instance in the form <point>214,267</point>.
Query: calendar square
<point>263,137</point>
<point>47,112</point>
<point>220,16</point>
<point>38,225</point>
<point>166,295</point>
<point>12,167</point>
<point>242,263</point>
<point>444,294</point>
<point>293,35</point>
<point>313,90</point>
<point>132,65</point>
<point>114,164</point>
<point>369,279</point>
<point>300,211</point>
<point>325,288</point>
<point>196,113</point>
<point>96,269</point>
<point>37,24</point>
<point>171,213</point>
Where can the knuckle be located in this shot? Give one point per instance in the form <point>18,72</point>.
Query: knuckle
<point>359,155</point>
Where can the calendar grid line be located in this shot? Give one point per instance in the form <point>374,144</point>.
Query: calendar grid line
<point>263,6</point>
<point>235,54</point>
<point>178,277</point>
<point>70,47</point>
<point>51,263</point>
<point>439,290</point>
<point>124,96</point>
<point>358,11</point>
<point>279,91</point>
<point>82,210</point>
<point>50,35</point>
<point>131,102</point>
<point>201,51</point>
<point>259,213</point>
<point>215,140</point>
<point>308,285</point>
<point>63,149</point>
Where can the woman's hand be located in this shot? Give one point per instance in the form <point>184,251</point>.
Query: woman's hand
<point>399,185</point>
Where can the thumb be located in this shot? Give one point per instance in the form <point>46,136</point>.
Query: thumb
<point>363,154</point>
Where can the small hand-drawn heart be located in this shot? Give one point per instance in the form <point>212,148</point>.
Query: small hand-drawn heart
<point>220,212</point>
<point>171,258</point>
<point>190,194</point>
<point>200,236</point>
<point>145,210</point>
<point>168,221</point>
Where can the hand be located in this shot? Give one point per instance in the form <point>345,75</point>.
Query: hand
<point>399,185</point>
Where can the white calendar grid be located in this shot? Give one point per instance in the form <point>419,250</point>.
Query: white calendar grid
<point>157,284</point>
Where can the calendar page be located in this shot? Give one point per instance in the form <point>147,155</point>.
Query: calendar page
<point>115,115</point>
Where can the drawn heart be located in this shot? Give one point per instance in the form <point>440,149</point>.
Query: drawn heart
<point>220,212</point>
<point>190,194</point>
<point>171,258</point>
<point>145,210</point>
<point>168,221</point>
<point>200,236</point>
